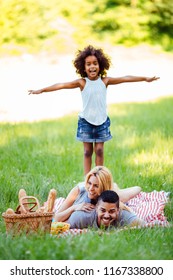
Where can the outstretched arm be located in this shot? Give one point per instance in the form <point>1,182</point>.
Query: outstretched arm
<point>127,193</point>
<point>128,79</point>
<point>68,85</point>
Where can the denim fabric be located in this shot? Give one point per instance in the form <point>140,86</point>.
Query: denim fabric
<point>87,132</point>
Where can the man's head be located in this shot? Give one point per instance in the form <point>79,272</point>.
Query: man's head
<point>107,208</point>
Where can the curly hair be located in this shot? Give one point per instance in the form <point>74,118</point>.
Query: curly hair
<point>103,60</point>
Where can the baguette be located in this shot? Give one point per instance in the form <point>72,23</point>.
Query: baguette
<point>21,194</point>
<point>50,200</point>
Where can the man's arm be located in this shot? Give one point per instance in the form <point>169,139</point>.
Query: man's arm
<point>137,222</point>
<point>130,219</point>
<point>82,219</point>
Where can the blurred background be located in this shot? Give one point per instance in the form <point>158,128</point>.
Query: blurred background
<point>39,39</point>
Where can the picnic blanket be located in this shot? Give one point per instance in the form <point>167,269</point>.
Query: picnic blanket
<point>147,206</point>
<point>150,207</point>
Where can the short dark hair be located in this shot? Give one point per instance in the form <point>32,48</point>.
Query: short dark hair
<point>110,197</point>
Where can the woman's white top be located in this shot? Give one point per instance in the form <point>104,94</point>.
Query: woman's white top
<point>94,99</point>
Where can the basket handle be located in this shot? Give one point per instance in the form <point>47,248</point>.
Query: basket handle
<point>33,203</point>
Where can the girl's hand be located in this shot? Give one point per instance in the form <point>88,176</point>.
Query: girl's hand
<point>87,207</point>
<point>30,91</point>
<point>148,79</point>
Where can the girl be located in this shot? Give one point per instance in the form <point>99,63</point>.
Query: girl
<point>93,123</point>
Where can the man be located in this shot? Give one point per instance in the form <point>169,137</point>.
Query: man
<point>107,214</point>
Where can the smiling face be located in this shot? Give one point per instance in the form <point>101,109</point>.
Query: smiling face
<point>92,67</point>
<point>106,213</point>
<point>93,187</point>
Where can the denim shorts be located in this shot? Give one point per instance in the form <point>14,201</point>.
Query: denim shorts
<point>90,133</point>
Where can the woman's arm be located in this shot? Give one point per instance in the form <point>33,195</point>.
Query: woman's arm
<point>128,79</point>
<point>68,85</point>
<point>67,207</point>
<point>128,193</point>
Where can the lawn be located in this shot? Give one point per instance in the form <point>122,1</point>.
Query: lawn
<point>43,155</point>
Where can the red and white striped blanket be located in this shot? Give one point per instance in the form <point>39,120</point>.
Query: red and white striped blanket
<point>147,206</point>
<point>150,207</point>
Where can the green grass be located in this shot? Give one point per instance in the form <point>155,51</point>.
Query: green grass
<point>43,155</point>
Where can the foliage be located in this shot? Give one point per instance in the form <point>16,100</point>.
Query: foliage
<point>160,21</point>
<point>28,25</point>
<point>43,155</point>
<point>17,22</point>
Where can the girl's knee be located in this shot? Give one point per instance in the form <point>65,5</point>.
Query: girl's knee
<point>99,152</point>
<point>88,153</point>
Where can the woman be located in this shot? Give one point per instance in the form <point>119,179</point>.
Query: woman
<point>84,195</point>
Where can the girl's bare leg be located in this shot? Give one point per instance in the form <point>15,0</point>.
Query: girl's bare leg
<point>99,153</point>
<point>88,152</point>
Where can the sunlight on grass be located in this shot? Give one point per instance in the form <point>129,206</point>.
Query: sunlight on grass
<point>152,158</point>
<point>12,132</point>
<point>156,149</point>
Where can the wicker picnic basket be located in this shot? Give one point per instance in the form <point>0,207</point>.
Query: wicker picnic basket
<point>29,217</point>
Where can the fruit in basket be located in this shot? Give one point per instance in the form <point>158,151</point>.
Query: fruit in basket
<point>59,227</point>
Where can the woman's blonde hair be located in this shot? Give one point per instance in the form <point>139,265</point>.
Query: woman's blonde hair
<point>104,177</point>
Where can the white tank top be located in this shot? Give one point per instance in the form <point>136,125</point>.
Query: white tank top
<point>94,99</point>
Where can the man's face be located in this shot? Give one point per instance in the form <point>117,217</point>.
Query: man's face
<point>107,213</point>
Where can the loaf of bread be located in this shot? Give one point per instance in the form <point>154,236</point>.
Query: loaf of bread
<point>9,211</point>
<point>50,200</point>
<point>22,193</point>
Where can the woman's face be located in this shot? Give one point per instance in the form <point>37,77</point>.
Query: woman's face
<point>92,67</point>
<point>93,187</point>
